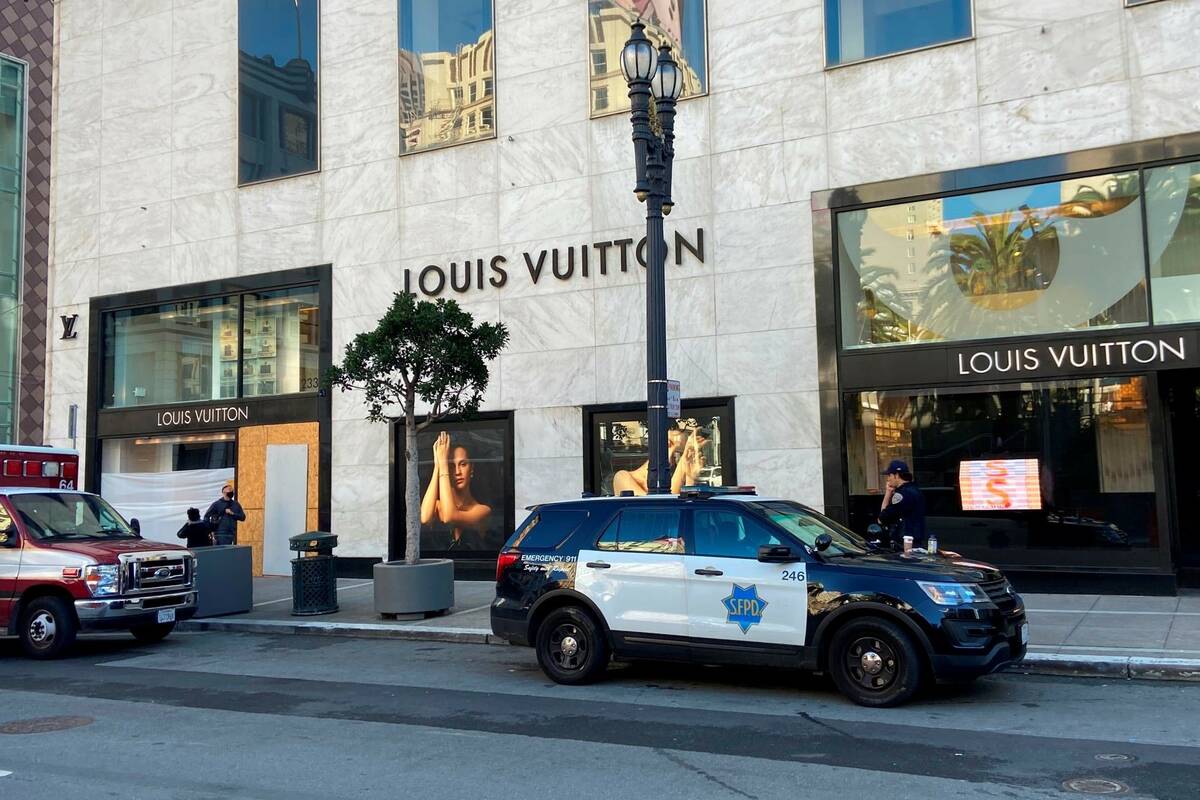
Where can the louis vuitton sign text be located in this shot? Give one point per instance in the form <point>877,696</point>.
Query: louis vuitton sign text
<point>558,263</point>
<point>1105,355</point>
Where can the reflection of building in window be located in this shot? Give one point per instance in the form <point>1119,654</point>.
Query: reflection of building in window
<point>277,118</point>
<point>666,20</point>
<point>433,86</point>
<point>12,221</point>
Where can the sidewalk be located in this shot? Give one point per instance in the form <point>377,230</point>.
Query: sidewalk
<point>1108,636</point>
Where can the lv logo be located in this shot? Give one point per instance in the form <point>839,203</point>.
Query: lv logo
<point>68,323</point>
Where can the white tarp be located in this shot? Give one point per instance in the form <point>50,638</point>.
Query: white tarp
<point>160,500</point>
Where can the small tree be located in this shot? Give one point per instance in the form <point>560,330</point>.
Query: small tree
<point>420,350</point>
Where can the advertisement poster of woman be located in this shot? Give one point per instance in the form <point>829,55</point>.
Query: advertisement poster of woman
<point>463,471</point>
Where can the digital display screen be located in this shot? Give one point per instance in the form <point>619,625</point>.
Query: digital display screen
<point>1007,484</point>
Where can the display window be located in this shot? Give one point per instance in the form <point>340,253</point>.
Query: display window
<point>465,469</point>
<point>1029,474</point>
<point>700,449</point>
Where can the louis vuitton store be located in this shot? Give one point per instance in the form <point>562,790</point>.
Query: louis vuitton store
<point>197,385</point>
<point>1026,337</point>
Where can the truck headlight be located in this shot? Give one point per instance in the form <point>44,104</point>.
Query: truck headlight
<point>102,580</point>
<point>953,594</point>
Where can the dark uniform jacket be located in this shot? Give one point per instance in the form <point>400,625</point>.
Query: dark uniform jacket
<point>198,534</point>
<point>226,525</point>
<point>905,516</point>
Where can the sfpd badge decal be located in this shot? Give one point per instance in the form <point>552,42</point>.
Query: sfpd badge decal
<point>745,607</point>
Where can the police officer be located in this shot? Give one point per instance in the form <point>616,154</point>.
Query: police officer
<point>903,510</point>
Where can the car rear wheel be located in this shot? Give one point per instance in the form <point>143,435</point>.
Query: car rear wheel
<point>875,663</point>
<point>571,648</point>
<point>152,633</point>
<point>47,627</point>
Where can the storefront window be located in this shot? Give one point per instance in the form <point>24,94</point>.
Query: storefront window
<point>280,346</point>
<point>277,86</point>
<point>1173,222</point>
<point>158,478</point>
<point>1047,258</point>
<point>447,71</point>
<point>861,29</point>
<point>466,477</point>
<point>12,220</point>
<point>1011,475</point>
<point>170,353</point>
<point>679,23</point>
<point>700,450</point>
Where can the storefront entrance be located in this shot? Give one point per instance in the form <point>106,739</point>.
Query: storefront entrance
<point>1181,395</point>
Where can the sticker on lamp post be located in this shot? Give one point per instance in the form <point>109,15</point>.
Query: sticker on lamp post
<point>673,410</point>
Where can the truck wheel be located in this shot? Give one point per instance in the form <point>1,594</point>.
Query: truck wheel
<point>47,627</point>
<point>571,648</point>
<point>152,633</point>
<point>875,663</point>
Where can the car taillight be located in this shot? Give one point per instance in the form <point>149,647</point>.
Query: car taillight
<point>505,561</point>
<point>12,468</point>
<point>70,469</point>
<point>33,469</point>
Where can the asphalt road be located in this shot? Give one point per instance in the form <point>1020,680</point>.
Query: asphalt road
<point>217,715</point>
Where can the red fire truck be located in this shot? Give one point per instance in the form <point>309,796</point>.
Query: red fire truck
<point>69,562</point>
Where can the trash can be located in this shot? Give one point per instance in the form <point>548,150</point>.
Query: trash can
<point>314,573</point>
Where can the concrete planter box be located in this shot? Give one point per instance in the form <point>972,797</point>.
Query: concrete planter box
<point>417,590</point>
<point>224,580</point>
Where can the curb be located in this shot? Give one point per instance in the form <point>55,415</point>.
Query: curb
<point>1080,666</point>
<point>362,630</point>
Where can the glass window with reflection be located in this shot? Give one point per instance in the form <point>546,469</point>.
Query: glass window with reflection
<point>1173,222</point>
<point>280,343</point>
<point>679,23</point>
<point>1045,258</point>
<point>1012,474</point>
<point>278,128</point>
<point>860,29</point>
<point>12,222</point>
<point>447,73</point>
<point>172,353</point>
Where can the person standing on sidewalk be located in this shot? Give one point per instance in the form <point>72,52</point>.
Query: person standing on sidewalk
<point>224,515</point>
<point>903,510</point>
<point>195,530</point>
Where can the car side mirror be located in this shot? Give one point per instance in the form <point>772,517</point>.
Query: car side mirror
<point>875,531</point>
<point>823,542</point>
<point>776,554</point>
<point>136,526</point>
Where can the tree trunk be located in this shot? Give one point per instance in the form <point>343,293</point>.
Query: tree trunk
<point>412,490</point>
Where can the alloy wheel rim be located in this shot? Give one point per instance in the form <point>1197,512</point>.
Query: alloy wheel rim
<point>872,663</point>
<point>568,647</point>
<point>42,629</point>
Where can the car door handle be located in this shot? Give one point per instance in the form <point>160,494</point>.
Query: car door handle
<point>709,572</point>
<point>598,564</point>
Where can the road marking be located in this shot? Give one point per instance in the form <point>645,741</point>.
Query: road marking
<point>466,611</point>
<point>288,599</point>
<point>1102,611</point>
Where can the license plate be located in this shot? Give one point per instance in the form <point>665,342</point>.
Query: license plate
<point>1024,633</point>
<point>166,615</point>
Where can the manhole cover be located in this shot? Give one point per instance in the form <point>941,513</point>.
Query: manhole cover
<point>1114,757</point>
<point>44,724</point>
<point>1095,786</point>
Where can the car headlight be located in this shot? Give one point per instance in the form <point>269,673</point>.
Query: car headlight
<point>953,594</point>
<point>104,579</point>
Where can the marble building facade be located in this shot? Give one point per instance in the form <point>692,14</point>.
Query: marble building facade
<point>145,194</point>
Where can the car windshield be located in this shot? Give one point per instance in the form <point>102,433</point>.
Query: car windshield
<point>69,516</point>
<point>807,525</point>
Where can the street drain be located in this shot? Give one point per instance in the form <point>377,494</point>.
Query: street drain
<point>44,724</point>
<point>1095,786</point>
<point>1114,757</point>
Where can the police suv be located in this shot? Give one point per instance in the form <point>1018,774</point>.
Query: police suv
<point>721,576</point>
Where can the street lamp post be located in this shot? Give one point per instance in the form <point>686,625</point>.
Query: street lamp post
<point>647,73</point>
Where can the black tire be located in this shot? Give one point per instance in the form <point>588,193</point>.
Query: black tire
<point>47,628</point>
<point>152,633</point>
<point>875,663</point>
<point>571,648</point>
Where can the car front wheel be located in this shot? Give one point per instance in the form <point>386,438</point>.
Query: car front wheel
<point>875,663</point>
<point>47,627</point>
<point>571,648</point>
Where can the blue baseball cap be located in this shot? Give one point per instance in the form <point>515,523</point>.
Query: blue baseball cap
<point>896,466</point>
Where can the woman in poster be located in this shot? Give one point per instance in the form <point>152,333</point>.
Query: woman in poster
<point>685,456</point>
<point>448,498</point>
